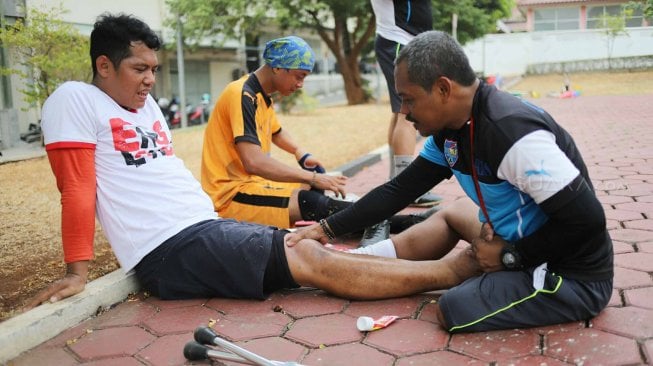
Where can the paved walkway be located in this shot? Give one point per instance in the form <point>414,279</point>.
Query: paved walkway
<point>308,326</point>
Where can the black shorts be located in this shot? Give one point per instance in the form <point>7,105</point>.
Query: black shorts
<point>506,300</point>
<point>217,258</point>
<point>386,53</point>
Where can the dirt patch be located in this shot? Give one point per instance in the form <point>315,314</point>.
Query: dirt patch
<point>30,244</point>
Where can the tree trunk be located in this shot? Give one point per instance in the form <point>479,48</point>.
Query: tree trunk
<point>353,82</point>
<point>347,51</point>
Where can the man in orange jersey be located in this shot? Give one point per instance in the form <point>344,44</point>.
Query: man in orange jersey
<point>238,173</point>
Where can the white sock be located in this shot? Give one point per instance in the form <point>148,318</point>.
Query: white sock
<point>384,248</point>
<point>401,162</point>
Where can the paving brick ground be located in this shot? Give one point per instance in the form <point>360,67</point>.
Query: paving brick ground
<point>308,326</point>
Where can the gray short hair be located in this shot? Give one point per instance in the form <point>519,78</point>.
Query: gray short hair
<point>433,54</point>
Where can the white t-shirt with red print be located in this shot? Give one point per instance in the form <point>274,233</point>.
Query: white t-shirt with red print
<point>145,194</point>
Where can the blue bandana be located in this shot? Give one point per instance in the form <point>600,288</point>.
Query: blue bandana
<point>289,53</point>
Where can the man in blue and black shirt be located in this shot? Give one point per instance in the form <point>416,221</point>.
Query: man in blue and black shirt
<point>540,252</point>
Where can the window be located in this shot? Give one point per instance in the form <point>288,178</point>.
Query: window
<point>556,19</point>
<point>595,16</point>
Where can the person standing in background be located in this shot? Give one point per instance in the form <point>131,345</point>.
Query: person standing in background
<point>397,22</point>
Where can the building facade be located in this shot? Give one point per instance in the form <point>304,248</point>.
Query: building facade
<point>564,36</point>
<point>555,15</point>
<point>207,69</point>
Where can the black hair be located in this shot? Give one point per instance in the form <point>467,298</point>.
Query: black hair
<point>433,54</point>
<point>112,36</point>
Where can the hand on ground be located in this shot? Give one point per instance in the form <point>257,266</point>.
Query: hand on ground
<point>68,286</point>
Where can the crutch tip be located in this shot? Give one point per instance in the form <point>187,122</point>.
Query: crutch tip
<point>194,351</point>
<point>204,335</point>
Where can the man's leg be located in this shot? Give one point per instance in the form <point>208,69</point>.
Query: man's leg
<point>391,153</point>
<point>294,211</point>
<point>262,202</point>
<point>402,146</point>
<point>402,143</point>
<point>368,277</point>
<point>364,277</point>
<point>508,299</point>
<point>401,133</point>
<point>312,205</point>
<point>434,237</point>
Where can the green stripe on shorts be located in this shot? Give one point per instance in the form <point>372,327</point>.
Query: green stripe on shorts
<point>513,304</point>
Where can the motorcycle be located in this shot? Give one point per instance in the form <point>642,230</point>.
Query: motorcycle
<point>33,133</point>
<point>196,115</point>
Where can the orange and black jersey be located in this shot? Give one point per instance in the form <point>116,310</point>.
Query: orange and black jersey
<point>252,96</point>
<point>243,113</point>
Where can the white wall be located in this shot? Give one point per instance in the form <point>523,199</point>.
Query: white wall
<point>220,77</point>
<point>512,53</point>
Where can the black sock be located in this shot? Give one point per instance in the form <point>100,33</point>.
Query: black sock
<point>399,223</point>
<point>315,206</point>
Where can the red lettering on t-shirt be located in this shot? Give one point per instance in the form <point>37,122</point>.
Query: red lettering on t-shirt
<point>163,137</point>
<point>163,141</point>
<point>120,135</point>
<point>147,144</point>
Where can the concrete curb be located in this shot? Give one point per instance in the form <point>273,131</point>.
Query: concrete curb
<point>25,331</point>
<point>350,169</point>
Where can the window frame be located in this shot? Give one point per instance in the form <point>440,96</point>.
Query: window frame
<point>555,23</point>
<point>594,22</point>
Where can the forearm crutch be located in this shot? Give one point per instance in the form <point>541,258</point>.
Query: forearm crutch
<point>197,350</point>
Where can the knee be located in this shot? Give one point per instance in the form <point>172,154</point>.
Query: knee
<point>304,259</point>
<point>303,249</point>
<point>453,209</point>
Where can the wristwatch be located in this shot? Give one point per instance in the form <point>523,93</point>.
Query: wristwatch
<point>510,259</point>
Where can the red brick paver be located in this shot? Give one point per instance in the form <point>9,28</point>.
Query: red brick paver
<point>614,134</point>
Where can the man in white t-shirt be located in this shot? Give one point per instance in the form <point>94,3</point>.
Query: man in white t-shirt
<point>111,153</point>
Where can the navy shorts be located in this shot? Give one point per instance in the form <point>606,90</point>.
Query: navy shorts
<point>386,53</point>
<point>507,299</point>
<point>217,258</point>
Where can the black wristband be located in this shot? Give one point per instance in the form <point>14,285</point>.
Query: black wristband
<point>327,230</point>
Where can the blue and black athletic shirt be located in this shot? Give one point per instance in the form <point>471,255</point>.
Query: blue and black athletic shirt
<point>532,178</point>
<point>528,168</point>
